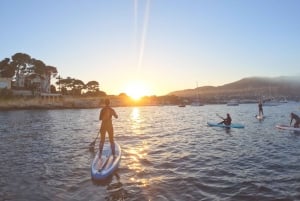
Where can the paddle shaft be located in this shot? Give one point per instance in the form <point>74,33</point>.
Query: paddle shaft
<point>93,143</point>
<point>220,116</point>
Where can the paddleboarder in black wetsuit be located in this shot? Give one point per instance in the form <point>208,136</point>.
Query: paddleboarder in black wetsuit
<point>297,120</point>
<point>227,120</point>
<point>260,108</point>
<point>105,116</point>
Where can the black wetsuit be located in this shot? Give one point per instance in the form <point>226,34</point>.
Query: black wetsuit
<point>106,126</point>
<point>260,109</point>
<point>226,121</point>
<point>297,120</point>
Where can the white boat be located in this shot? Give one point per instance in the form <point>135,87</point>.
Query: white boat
<point>284,100</point>
<point>271,103</point>
<point>233,102</point>
<point>196,103</point>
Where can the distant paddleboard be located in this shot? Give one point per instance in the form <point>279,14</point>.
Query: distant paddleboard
<point>287,127</point>
<point>233,125</point>
<point>104,166</point>
<point>260,117</point>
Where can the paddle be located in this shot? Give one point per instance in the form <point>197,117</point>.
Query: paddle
<point>92,144</point>
<point>219,116</point>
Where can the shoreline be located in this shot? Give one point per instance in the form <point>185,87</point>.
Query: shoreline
<point>61,103</point>
<point>39,103</point>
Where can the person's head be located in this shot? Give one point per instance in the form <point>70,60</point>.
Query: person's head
<point>228,115</point>
<point>292,114</point>
<point>107,101</point>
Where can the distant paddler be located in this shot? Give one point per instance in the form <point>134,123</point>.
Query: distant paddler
<point>226,121</point>
<point>297,120</point>
<point>260,108</point>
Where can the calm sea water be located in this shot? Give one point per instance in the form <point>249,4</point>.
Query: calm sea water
<point>169,153</point>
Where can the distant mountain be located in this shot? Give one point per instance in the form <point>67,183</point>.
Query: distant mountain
<point>251,88</point>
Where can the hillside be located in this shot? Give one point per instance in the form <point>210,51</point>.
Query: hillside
<point>248,88</point>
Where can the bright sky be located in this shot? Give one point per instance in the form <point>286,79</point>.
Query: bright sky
<point>167,45</point>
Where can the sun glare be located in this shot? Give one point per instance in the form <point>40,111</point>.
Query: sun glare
<point>136,90</point>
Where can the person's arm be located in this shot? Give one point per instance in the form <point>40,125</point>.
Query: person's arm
<point>291,121</point>
<point>115,114</point>
<point>222,121</point>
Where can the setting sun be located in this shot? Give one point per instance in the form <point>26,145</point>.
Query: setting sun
<point>136,90</point>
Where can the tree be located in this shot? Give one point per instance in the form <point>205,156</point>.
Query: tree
<point>92,86</point>
<point>72,85</point>
<point>52,89</point>
<point>37,67</point>
<point>58,82</point>
<point>28,73</point>
<point>51,70</point>
<point>66,83</point>
<point>6,69</point>
<point>20,62</point>
<point>78,85</point>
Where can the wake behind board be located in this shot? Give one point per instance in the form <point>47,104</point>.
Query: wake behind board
<point>233,125</point>
<point>104,166</point>
<point>287,127</point>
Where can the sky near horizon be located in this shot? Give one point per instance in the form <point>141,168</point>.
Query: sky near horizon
<point>163,45</point>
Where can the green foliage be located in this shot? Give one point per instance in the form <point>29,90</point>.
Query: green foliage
<point>52,89</point>
<point>23,64</point>
<point>6,69</point>
<point>92,86</point>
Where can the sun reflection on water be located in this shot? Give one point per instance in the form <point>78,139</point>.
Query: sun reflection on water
<point>136,157</point>
<point>136,120</point>
<point>135,114</point>
<point>137,154</point>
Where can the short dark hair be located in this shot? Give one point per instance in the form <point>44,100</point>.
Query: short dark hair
<point>107,101</point>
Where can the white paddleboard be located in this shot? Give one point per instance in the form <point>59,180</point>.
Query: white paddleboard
<point>260,117</point>
<point>104,166</point>
<point>287,127</point>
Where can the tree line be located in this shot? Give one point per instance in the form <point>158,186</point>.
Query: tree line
<point>24,69</point>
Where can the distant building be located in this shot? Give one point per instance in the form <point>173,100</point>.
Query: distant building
<point>5,83</point>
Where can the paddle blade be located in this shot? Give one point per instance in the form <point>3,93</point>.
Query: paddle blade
<point>92,147</point>
<point>92,144</point>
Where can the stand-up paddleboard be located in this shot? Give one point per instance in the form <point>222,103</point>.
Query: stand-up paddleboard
<point>260,117</point>
<point>233,125</point>
<point>104,166</point>
<point>287,127</point>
